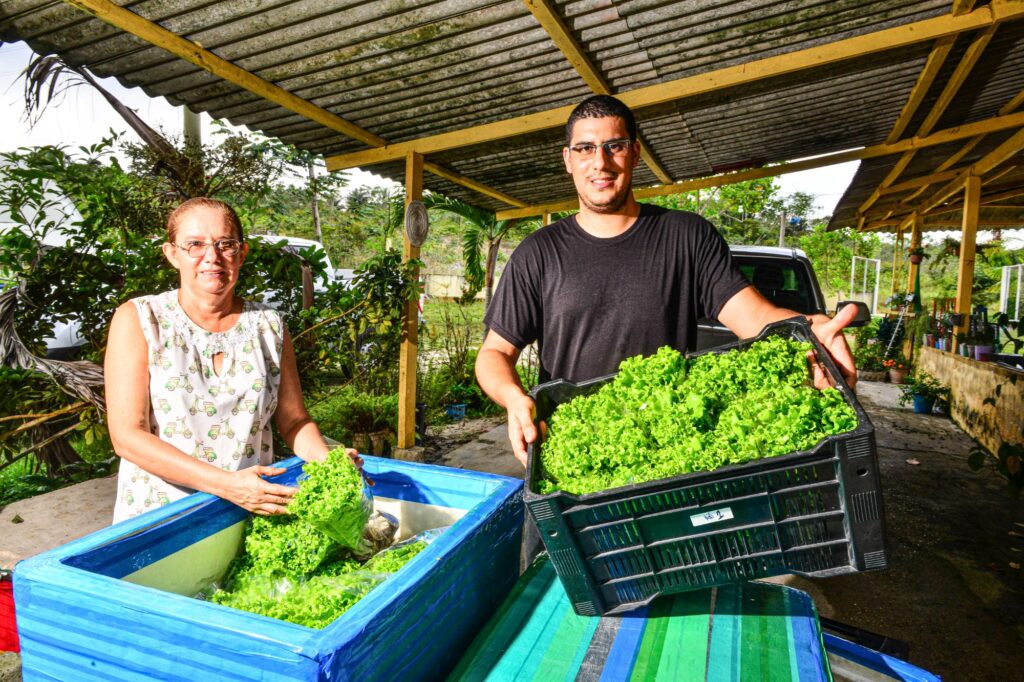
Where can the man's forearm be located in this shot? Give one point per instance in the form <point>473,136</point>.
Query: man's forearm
<point>497,376</point>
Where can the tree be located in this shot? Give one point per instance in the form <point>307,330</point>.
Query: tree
<point>479,229</point>
<point>742,211</point>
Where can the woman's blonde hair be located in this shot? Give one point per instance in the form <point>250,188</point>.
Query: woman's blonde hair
<point>230,217</point>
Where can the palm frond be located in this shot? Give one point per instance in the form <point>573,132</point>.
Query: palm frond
<point>474,214</point>
<point>473,240</point>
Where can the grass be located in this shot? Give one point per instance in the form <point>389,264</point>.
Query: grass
<point>23,479</point>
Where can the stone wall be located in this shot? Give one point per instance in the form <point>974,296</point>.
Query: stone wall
<point>988,400</point>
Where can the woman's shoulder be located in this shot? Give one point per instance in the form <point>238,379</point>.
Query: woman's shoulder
<point>263,317</point>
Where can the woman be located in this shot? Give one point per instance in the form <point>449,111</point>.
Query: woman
<point>193,377</point>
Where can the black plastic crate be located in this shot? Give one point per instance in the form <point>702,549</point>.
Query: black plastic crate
<point>816,512</point>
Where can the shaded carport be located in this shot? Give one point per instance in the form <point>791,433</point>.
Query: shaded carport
<point>476,94</point>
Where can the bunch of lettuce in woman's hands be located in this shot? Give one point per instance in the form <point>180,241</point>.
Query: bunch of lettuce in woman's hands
<point>333,499</point>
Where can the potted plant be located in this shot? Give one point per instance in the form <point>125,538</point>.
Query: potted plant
<point>985,339</point>
<point>916,254</point>
<point>924,391</point>
<point>868,359</point>
<point>898,368</point>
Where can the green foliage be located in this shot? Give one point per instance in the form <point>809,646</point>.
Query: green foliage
<point>331,499</point>
<point>921,383</point>
<point>349,411</point>
<point>663,416</point>
<point>870,356</point>
<point>1009,462</point>
<point>831,252</point>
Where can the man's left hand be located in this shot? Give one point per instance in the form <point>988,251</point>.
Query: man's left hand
<point>829,331</point>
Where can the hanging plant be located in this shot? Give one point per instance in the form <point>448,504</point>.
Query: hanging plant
<point>916,254</point>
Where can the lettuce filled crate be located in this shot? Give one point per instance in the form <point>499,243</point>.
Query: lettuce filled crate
<point>118,604</point>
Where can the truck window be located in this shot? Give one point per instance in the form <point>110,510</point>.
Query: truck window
<point>785,284</point>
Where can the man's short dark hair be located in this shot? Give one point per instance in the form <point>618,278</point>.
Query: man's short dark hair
<point>600,106</point>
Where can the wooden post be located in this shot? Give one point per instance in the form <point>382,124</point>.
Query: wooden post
<point>545,219</point>
<point>916,223</point>
<point>410,317</point>
<point>968,237</point>
<point>897,249</point>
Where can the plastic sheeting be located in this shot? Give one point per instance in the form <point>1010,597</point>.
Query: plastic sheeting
<point>750,631</point>
<point>80,616</point>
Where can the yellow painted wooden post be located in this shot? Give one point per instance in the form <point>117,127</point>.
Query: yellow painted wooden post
<point>546,219</point>
<point>968,237</point>
<point>410,317</point>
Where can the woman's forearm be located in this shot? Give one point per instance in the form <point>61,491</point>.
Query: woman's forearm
<point>306,441</point>
<point>167,462</point>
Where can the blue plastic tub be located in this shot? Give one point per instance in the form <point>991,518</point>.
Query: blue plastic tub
<point>117,604</point>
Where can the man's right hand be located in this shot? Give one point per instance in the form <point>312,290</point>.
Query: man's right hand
<point>521,430</point>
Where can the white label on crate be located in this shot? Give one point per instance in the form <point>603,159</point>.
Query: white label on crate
<point>713,516</point>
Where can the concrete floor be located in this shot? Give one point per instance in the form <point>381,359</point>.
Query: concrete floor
<point>954,590</point>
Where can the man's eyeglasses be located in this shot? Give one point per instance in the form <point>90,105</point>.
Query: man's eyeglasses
<point>197,249</point>
<point>586,150</point>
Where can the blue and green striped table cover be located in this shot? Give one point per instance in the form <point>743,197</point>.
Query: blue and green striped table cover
<point>750,631</point>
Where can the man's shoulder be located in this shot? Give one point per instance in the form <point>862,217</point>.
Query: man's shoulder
<point>671,216</point>
<point>547,235</point>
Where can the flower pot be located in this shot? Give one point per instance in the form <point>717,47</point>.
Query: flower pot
<point>456,412</point>
<point>929,340</point>
<point>916,258</point>
<point>870,375</point>
<point>923,404</point>
<point>981,353</point>
<point>379,443</point>
<point>968,350</point>
<point>361,442</point>
<point>897,376</point>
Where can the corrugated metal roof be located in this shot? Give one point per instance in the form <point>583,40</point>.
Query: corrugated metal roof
<point>996,79</point>
<point>409,69</point>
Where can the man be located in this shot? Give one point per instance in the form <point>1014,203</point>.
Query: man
<point>618,279</point>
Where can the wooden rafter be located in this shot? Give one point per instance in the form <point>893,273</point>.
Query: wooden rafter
<point>941,137</point>
<point>195,54</point>
<point>562,37</point>
<point>1007,108</point>
<point>700,84</point>
<point>949,91</point>
<point>984,165</point>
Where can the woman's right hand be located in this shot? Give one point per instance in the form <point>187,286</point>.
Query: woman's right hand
<point>248,490</point>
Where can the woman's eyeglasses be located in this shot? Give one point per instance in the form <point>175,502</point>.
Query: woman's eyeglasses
<point>197,249</point>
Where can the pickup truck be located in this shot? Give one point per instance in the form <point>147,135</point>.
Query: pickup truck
<point>783,276</point>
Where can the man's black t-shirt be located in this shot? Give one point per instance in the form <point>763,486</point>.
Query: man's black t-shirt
<point>591,302</point>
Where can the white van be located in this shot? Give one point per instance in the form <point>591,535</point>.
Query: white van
<point>297,244</point>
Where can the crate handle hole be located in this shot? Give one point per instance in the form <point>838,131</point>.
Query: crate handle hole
<point>552,533</point>
<point>862,472</point>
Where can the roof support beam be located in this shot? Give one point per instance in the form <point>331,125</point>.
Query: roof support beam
<point>987,163</point>
<point>460,179</point>
<point>410,317</point>
<point>968,239</point>
<point>741,74</point>
<point>563,39</point>
<point>958,78</point>
<point>906,144</point>
<point>1007,108</point>
<point>192,52</point>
